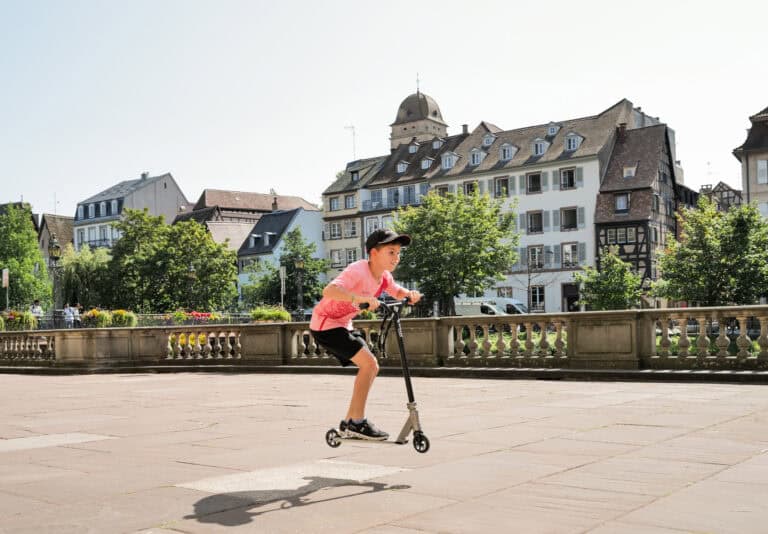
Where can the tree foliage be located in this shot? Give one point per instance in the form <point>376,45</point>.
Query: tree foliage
<point>20,254</point>
<point>264,284</point>
<point>721,258</point>
<point>85,276</point>
<point>461,244</point>
<point>613,287</point>
<point>156,267</point>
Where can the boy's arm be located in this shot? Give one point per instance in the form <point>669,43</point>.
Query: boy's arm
<point>337,292</point>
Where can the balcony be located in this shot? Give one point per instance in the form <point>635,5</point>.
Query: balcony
<point>98,243</point>
<point>374,205</point>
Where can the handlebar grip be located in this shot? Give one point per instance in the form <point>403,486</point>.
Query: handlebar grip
<point>363,305</point>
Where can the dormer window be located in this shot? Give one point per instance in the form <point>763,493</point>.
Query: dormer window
<point>113,210</point>
<point>572,142</point>
<point>552,129</point>
<point>254,238</point>
<point>629,171</point>
<point>507,152</point>
<point>267,236</point>
<point>436,144</point>
<point>355,176</point>
<point>402,167</point>
<point>412,148</point>
<point>91,211</point>
<point>426,163</point>
<point>102,209</point>
<point>449,160</point>
<point>539,147</point>
<point>80,213</point>
<point>488,139</point>
<point>476,156</point>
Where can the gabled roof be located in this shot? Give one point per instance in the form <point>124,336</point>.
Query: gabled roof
<point>276,223</point>
<point>235,232</point>
<point>243,200</point>
<point>757,135</point>
<point>366,169</point>
<point>202,215</point>
<point>124,188</point>
<point>642,148</point>
<point>60,225</point>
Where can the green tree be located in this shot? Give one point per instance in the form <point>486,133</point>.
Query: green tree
<point>157,268</point>
<point>21,255</point>
<point>84,276</point>
<point>721,258</point>
<point>613,287</point>
<point>264,287</point>
<point>461,244</point>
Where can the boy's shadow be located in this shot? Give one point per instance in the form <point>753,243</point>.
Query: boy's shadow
<point>231,509</point>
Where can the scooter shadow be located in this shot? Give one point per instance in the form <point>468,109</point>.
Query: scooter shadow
<point>237,508</point>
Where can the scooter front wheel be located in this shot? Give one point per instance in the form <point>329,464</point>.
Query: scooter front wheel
<point>332,438</point>
<point>420,442</point>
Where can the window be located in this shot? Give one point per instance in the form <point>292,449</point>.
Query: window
<point>537,298</point>
<point>402,167</point>
<point>388,222</point>
<point>335,230</point>
<point>611,236</point>
<point>535,222</point>
<point>393,197</point>
<point>448,161</point>
<point>762,171</point>
<point>355,176</point>
<point>436,144</point>
<point>351,255</point>
<point>349,201</point>
<point>113,210</point>
<point>535,257</point>
<point>631,235</point>
<point>622,202</point>
<point>763,209</point>
<point>350,228</point>
<point>442,190</point>
<point>102,209</point>
<point>469,187</point>
<point>504,291</point>
<point>426,163</point>
<point>115,233</point>
<point>333,203</point>
<point>488,140</point>
<point>80,236</point>
<point>376,198</point>
<point>92,234</point>
<point>621,236</point>
<point>539,147</point>
<point>572,142</point>
<point>412,148</point>
<point>654,235</point>
<point>476,157</point>
<point>103,235</point>
<point>568,219</point>
<point>371,225</point>
<point>80,213</point>
<point>656,201</point>
<point>567,178</point>
<point>629,171</point>
<point>423,189</point>
<point>534,183</point>
<point>336,258</point>
<point>506,153</point>
<point>91,211</point>
<point>501,187</point>
<point>409,194</point>
<point>570,254</point>
<point>552,129</point>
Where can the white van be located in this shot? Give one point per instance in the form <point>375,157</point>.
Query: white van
<point>493,306</point>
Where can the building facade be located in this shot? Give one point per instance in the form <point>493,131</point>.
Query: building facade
<point>753,156</point>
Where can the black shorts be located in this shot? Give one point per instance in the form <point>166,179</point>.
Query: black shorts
<point>340,342</point>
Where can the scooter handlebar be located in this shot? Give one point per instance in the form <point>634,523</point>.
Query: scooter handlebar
<point>387,304</point>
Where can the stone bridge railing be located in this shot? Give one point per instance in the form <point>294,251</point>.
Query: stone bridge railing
<point>684,338</point>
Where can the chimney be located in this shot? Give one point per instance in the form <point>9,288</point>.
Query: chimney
<point>144,175</point>
<point>464,128</point>
<point>274,204</point>
<point>622,131</point>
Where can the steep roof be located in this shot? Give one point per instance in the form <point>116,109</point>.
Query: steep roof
<point>60,225</point>
<point>244,200</point>
<point>366,169</point>
<point>757,135</point>
<point>418,106</point>
<point>276,224</point>
<point>641,148</point>
<point>235,232</point>
<point>201,215</point>
<point>124,188</point>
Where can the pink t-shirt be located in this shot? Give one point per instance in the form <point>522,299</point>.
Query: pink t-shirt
<point>356,278</point>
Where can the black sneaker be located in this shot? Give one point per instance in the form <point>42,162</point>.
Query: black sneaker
<point>365,430</point>
<point>343,428</point>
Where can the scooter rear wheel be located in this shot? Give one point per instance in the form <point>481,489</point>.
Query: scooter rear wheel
<point>332,438</point>
<point>420,442</point>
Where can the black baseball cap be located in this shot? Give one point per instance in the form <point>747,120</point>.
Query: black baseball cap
<point>383,236</point>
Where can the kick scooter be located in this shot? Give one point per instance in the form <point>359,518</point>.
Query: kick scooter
<point>391,312</point>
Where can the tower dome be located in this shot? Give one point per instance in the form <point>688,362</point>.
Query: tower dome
<point>418,117</point>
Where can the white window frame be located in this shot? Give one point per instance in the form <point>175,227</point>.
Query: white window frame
<point>371,225</point>
<point>349,202</point>
<point>573,253</point>
<point>413,148</point>
<point>475,158</point>
<point>488,139</point>
<point>501,187</point>
<point>448,161</point>
<point>563,184</point>
<point>631,235</point>
<point>113,207</point>
<point>436,144</point>
<point>552,129</point>
<point>616,199</point>
<point>335,256</point>
<point>350,228</point>
<point>426,163</point>
<point>102,209</point>
<point>402,167</point>
<point>334,229</point>
<point>610,237</point>
<point>538,301</point>
<point>536,256</point>
<point>539,148</point>
<point>630,171</point>
<point>80,213</point>
<point>762,171</point>
<point>351,255</point>
<point>572,142</point>
<point>91,211</point>
<point>469,187</point>
<point>529,225</point>
<point>333,204</point>
<point>506,152</point>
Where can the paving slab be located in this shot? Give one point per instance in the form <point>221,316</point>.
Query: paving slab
<point>199,453</point>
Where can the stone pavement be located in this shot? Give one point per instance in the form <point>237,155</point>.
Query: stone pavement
<point>173,453</point>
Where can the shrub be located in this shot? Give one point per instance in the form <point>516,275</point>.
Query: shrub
<point>97,319</point>
<point>2,323</point>
<point>366,315</point>
<point>16,320</point>
<point>271,314</point>
<point>124,318</point>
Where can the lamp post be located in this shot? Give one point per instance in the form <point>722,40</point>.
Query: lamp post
<point>54,255</point>
<point>299,264</point>
<point>191,275</point>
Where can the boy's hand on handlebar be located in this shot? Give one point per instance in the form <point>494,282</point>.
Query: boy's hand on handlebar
<point>414,296</point>
<point>372,302</point>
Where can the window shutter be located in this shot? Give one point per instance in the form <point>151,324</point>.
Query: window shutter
<point>762,171</point>
<point>548,255</point>
<point>326,231</point>
<point>481,186</point>
<point>555,220</point>
<point>512,183</point>
<point>522,185</point>
<point>544,181</point>
<point>582,253</point>
<point>555,180</point>
<point>545,219</point>
<point>557,256</point>
<point>580,217</point>
<point>579,177</point>
<point>523,217</point>
<point>523,257</point>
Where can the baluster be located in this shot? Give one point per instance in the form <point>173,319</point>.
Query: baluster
<point>459,341</point>
<point>188,345</point>
<point>486,341</point>
<point>217,346</point>
<point>743,341</point>
<point>544,342</point>
<point>684,342</point>
<point>198,348</point>
<point>664,322</point>
<point>229,347</point>
<point>500,344</point>
<point>208,349</point>
<point>514,342</point>
<point>238,348</point>
<point>178,350</point>
<point>702,341</point>
<point>51,348</point>
<point>559,344</point>
<point>722,340</point>
<point>528,351</point>
<point>762,341</point>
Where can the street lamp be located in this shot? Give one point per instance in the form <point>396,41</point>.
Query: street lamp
<point>54,255</point>
<point>191,275</point>
<point>299,264</point>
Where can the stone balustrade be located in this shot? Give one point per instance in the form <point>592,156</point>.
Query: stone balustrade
<point>733,338</point>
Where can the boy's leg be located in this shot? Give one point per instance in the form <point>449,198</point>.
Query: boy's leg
<point>368,368</point>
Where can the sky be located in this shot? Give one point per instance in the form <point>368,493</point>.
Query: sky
<point>253,96</point>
